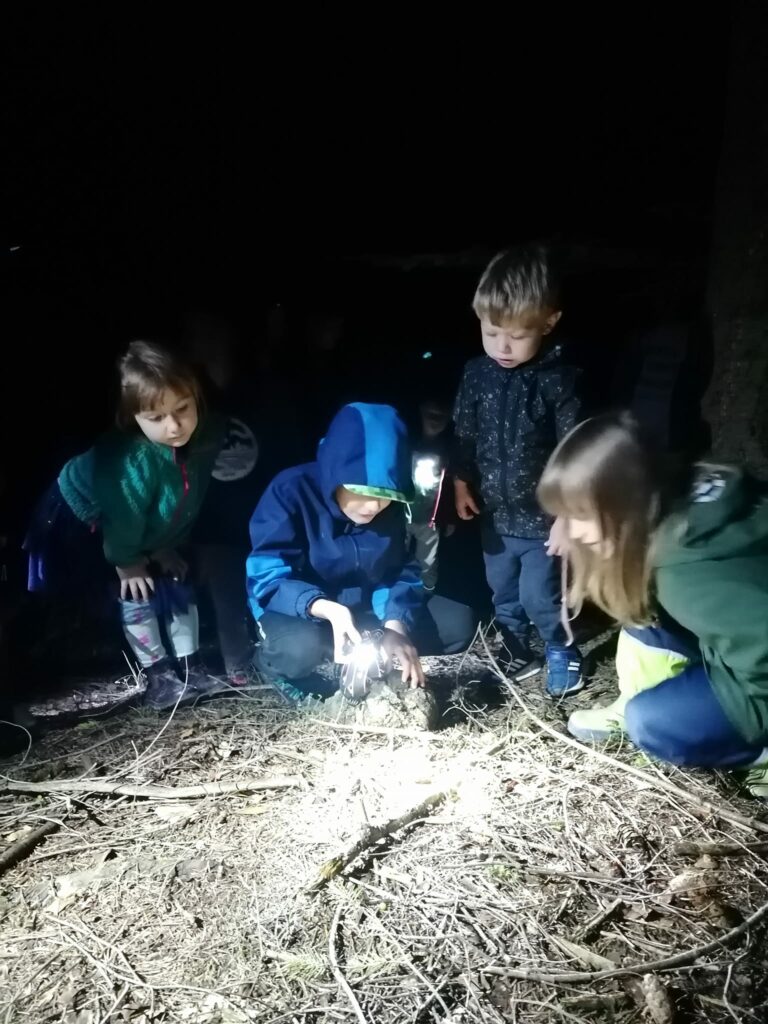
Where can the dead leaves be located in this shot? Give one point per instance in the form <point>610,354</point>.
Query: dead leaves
<point>657,1001</point>
<point>67,888</point>
<point>177,813</point>
<point>700,886</point>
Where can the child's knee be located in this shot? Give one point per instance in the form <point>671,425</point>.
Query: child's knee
<point>650,726</point>
<point>639,717</point>
<point>293,656</point>
<point>136,613</point>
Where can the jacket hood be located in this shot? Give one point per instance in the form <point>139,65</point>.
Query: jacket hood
<point>726,515</point>
<point>366,449</point>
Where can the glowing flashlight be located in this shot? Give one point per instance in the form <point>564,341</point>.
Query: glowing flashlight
<point>366,662</point>
<point>426,475</point>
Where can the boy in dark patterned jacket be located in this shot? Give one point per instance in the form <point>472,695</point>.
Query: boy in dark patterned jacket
<point>514,405</point>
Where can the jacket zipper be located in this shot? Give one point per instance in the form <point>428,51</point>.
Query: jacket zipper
<point>433,517</point>
<point>502,438</point>
<point>185,488</point>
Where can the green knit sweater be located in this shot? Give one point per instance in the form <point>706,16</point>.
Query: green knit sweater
<point>142,496</point>
<point>712,577</point>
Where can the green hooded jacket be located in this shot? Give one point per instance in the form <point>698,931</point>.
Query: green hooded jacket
<point>711,563</point>
<point>142,496</point>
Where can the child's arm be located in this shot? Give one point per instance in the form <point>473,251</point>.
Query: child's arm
<point>124,498</point>
<point>273,568</point>
<point>567,403</point>
<point>342,624</point>
<point>462,465</point>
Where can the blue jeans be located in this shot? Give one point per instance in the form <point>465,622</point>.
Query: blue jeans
<point>525,582</point>
<point>681,721</point>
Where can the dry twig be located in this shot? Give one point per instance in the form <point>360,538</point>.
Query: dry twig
<point>151,792</point>
<point>694,849</point>
<point>684,959</point>
<point>26,844</point>
<point>373,834</point>
<point>337,972</point>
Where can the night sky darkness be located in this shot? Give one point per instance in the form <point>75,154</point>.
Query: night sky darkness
<point>225,166</point>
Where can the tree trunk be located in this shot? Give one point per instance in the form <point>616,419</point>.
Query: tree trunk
<point>736,404</point>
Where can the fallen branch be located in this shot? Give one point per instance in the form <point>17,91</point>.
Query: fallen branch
<point>375,730</point>
<point>25,845</point>
<point>679,960</point>
<point>652,781</point>
<point>336,970</point>
<point>371,835</point>
<point>694,849</point>
<point>594,923</point>
<point>150,792</point>
<point>593,1001</point>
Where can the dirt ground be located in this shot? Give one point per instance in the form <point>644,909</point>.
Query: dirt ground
<point>246,861</point>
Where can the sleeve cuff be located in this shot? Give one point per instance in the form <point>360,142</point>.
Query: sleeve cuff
<point>305,599</point>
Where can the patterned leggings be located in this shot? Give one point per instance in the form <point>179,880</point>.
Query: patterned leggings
<point>143,632</point>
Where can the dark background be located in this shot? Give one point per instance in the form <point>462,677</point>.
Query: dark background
<point>365,169</point>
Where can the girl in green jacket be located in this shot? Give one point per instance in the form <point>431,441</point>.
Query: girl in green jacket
<point>681,561</point>
<point>121,510</point>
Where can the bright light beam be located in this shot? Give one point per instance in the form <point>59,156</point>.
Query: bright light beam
<point>425,474</point>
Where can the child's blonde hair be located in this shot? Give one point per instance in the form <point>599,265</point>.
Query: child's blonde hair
<point>517,281</point>
<point>603,472</point>
<point>146,370</point>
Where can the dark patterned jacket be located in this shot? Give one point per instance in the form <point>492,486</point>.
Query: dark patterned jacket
<point>507,423</point>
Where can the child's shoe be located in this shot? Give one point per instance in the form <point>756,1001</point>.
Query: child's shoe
<point>239,677</point>
<point>164,688</point>
<point>564,670</point>
<point>755,779</point>
<point>200,682</point>
<point>517,658</point>
<point>596,725</point>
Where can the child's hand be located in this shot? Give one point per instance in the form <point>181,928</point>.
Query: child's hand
<point>557,543</point>
<point>466,506</point>
<point>171,563</point>
<point>396,644</point>
<point>135,581</point>
<point>342,624</point>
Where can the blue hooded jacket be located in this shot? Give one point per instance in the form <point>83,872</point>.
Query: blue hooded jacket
<point>305,548</point>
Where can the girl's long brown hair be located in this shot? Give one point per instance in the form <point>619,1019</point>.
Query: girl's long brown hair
<point>603,472</point>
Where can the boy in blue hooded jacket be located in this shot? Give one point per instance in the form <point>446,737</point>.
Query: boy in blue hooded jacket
<point>329,555</point>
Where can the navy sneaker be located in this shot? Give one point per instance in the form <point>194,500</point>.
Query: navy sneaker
<point>164,688</point>
<point>564,670</point>
<point>517,658</point>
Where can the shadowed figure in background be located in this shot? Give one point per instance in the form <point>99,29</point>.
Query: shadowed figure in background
<point>432,508</point>
<point>260,439</point>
